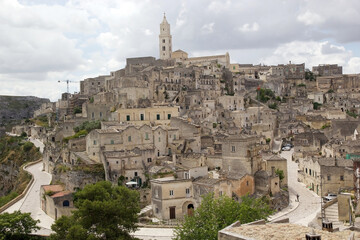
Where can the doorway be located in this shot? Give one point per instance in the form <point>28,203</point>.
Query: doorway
<point>172,212</point>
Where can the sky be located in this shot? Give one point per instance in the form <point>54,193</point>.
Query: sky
<point>43,42</point>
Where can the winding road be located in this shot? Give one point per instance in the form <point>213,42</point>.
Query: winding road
<point>309,205</point>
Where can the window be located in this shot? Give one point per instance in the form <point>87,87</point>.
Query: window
<point>329,177</point>
<point>186,175</point>
<point>220,193</point>
<point>174,136</point>
<point>92,115</point>
<point>171,192</point>
<point>142,117</point>
<point>310,172</point>
<point>341,178</point>
<point>146,136</point>
<point>163,40</point>
<point>187,191</point>
<point>129,138</point>
<point>163,48</point>
<point>156,210</point>
<point>233,148</point>
<point>159,139</point>
<point>117,162</point>
<point>305,170</point>
<point>157,116</point>
<point>94,142</point>
<point>247,183</point>
<point>127,117</point>
<point>111,141</point>
<point>135,174</point>
<point>169,116</point>
<point>100,114</point>
<point>149,160</point>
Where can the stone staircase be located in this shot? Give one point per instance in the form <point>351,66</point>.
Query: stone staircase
<point>146,209</point>
<point>332,214</point>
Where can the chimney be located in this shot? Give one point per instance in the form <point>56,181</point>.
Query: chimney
<point>327,226</point>
<point>312,235</point>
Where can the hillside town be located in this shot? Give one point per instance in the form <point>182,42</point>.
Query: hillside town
<point>175,128</point>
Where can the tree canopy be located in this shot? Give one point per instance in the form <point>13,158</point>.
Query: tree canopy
<point>214,214</point>
<point>104,212</point>
<point>17,225</point>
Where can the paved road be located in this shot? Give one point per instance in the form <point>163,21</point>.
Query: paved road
<point>31,202</point>
<point>310,203</point>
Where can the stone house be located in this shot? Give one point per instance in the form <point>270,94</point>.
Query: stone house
<point>154,115</point>
<point>241,183</point>
<point>274,163</point>
<point>56,202</point>
<point>232,103</point>
<point>92,86</point>
<point>311,141</point>
<point>219,187</point>
<point>326,175</point>
<point>327,70</point>
<point>172,198</point>
<point>316,97</point>
<point>242,152</point>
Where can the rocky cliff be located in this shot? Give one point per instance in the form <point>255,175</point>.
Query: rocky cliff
<point>14,153</point>
<point>15,108</point>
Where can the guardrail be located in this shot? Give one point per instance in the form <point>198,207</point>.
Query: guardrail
<point>23,194</point>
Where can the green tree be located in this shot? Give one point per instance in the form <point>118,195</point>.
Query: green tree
<point>104,212</point>
<point>17,225</point>
<point>214,214</point>
<point>280,173</point>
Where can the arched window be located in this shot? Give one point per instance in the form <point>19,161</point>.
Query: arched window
<point>66,203</point>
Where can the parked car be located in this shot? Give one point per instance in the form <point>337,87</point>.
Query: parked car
<point>286,148</point>
<point>329,197</point>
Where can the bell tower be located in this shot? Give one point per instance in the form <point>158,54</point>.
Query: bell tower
<point>165,41</point>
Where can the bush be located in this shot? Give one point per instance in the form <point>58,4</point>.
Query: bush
<point>273,106</point>
<point>28,146</point>
<point>351,114</point>
<point>265,95</point>
<point>79,134</point>
<point>316,105</point>
<point>88,126</point>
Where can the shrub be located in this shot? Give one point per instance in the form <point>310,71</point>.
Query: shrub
<point>28,146</point>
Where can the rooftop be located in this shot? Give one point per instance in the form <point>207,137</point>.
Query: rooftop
<point>284,231</point>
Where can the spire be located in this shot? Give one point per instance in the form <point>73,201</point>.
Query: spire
<point>164,19</point>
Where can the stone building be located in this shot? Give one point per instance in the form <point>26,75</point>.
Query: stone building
<point>327,70</point>
<point>172,198</point>
<point>326,175</point>
<point>56,202</point>
<point>155,115</point>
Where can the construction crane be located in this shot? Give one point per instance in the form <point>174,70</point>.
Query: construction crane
<point>67,83</point>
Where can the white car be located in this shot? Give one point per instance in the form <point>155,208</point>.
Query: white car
<point>286,148</point>
<point>329,197</point>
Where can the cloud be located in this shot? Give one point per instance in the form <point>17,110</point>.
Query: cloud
<point>310,18</point>
<point>75,39</point>
<point>181,18</point>
<point>219,6</point>
<point>249,27</point>
<point>207,28</point>
<point>353,65</point>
